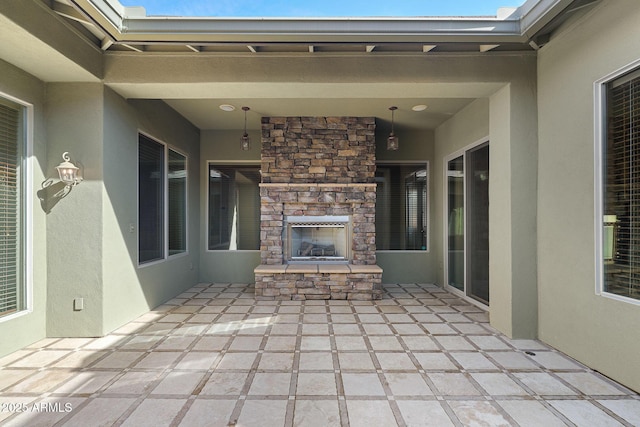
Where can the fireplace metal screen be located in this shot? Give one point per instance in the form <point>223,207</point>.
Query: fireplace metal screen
<point>318,239</point>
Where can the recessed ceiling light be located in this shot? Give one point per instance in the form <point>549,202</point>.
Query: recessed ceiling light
<point>420,107</point>
<point>227,107</point>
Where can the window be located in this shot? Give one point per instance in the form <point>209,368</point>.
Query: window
<point>177,178</point>
<point>162,176</point>
<point>620,245</point>
<point>234,207</point>
<point>12,208</point>
<point>401,206</point>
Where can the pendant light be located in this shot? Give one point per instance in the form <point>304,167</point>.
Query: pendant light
<point>392,140</point>
<point>245,141</point>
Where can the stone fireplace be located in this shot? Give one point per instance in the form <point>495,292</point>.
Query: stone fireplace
<point>317,228</point>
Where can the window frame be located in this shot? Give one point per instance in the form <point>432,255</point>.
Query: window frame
<point>234,163</point>
<point>165,208</point>
<point>600,142</point>
<point>427,165</point>
<point>27,131</point>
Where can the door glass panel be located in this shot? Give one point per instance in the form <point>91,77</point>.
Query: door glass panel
<point>455,228</point>
<point>478,223</point>
<point>415,185</point>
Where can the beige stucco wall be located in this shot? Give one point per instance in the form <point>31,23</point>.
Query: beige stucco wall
<point>93,223</point>
<point>410,266</point>
<point>598,331</point>
<point>74,114</point>
<point>223,146</point>
<point>82,246</point>
<point>129,289</point>
<point>30,327</point>
<point>507,119</point>
<point>469,126</point>
<point>220,146</point>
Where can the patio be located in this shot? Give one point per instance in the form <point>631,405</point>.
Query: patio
<point>216,356</point>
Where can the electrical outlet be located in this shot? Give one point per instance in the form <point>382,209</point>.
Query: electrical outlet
<point>78,304</point>
<point>132,228</point>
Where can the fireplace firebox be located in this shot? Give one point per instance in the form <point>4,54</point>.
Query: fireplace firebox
<point>318,239</point>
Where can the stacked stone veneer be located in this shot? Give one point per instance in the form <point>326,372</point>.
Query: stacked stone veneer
<point>318,166</point>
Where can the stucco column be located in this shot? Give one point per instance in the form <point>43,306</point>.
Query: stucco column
<point>74,115</point>
<point>512,211</point>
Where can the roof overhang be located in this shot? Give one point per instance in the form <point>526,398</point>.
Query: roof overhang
<point>132,25</point>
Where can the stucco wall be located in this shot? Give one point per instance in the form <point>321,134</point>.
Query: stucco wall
<point>30,327</point>
<point>129,289</point>
<point>74,269</point>
<point>507,119</point>
<point>469,126</point>
<point>222,146</point>
<point>92,232</point>
<point>410,266</point>
<point>598,331</point>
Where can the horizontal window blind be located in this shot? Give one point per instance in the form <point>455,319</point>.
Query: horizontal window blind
<point>622,187</point>
<point>401,206</point>
<point>10,287</point>
<point>151,179</point>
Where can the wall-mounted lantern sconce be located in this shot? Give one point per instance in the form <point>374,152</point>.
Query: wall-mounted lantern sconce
<point>53,191</point>
<point>68,172</point>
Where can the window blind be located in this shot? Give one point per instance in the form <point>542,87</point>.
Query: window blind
<point>151,179</point>
<point>10,232</point>
<point>401,206</point>
<point>622,186</point>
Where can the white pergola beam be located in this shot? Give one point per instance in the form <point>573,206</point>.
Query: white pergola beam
<point>133,47</point>
<point>106,43</point>
<point>69,12</point>
<point>488,47</point>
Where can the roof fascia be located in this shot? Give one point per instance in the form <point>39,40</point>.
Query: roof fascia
<point>536,14</point>
<point>130,24</point>
<point>318,30</point>
<point>108,14</point>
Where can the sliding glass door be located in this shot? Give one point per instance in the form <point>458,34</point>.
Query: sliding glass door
<point>455,229</point>
<point>467,243</point>
<point>478,223</point>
